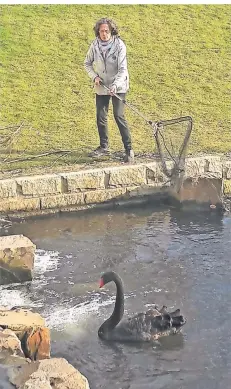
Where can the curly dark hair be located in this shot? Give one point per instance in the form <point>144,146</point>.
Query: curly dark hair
<point>111,24</point>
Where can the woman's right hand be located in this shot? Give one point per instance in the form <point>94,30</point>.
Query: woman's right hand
<point>97,80</point>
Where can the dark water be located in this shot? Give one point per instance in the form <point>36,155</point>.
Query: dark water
<point>164,257</point>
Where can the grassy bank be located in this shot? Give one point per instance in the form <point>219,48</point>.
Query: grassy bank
<point>179,63</point>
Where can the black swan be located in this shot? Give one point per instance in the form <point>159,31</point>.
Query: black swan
<point>143,327</point>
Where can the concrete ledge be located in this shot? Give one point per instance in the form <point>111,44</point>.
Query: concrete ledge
<point>227,170</point>
<point>198,166</point>
<point>40,185</point>
<point>154,173</point>
<point>227,187</point>
<point>145,190</point>
<point>63,200</point>
<point>19,204</point>
<point>126,176</point>
<point>89,179</point>
<point>204,190</point>
<point>8,188</point>
<point>100,196</point>
<point>87,188</point>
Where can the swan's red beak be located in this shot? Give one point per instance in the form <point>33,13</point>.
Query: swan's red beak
<point>101,283</point>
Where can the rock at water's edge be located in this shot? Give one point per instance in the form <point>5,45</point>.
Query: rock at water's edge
<point>55,372</point>
<point>16,259</point>
<point>30,330</point>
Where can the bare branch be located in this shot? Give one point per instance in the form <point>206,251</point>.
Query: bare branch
<point>61,156</point>
<point>38,156</point>
<point>9,137</point>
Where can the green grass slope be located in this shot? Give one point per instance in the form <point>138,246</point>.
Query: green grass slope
<point>179,63</point>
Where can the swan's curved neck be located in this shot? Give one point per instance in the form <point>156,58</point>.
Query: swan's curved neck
<point>118,311</point>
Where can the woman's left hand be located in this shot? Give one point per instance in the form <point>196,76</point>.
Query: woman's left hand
<point>112,90</point>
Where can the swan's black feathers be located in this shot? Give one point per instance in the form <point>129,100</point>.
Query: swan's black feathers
<point>147,326</point>
<point>143,327</point>
<point>153,324</point>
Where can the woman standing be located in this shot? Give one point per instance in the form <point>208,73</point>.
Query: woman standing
<point>106,61</point>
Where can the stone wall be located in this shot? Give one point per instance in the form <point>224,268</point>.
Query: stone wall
<point>96,187</point>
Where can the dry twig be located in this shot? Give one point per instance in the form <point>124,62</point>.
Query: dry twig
<point>38,156</point>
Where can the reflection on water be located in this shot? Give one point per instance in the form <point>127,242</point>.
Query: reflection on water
<point>164,257</point>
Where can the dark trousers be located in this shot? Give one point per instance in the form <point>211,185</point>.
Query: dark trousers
<point>102,105</point>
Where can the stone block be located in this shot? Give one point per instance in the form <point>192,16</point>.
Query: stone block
<point>19,204</point>
<point>10,344</point>
<point>155,173</point>
<point>8,188</point>
<point>227,169</point>
<point>126,176</point>
<point>60,201</point>
<point>19,320</point>
<point>16,258</point>
<point>144,190</point>
<point>54,372</point>
<point>84,180</point>
<point>152,172</point>
<point>201,191</point>
<point>194,167</point>
<point>199,166</point>
<point>99,196</point>
<point>214,166</point>
<point>227,187</point>
<point>36,342</point>
<point>13,360</point>
<point>40,185</point>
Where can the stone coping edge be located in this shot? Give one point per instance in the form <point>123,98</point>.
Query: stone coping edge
<point>101,187</point>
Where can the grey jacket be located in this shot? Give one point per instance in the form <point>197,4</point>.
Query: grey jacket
<point>112,70</point>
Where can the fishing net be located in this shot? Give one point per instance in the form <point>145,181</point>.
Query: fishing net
<point>172,137</point>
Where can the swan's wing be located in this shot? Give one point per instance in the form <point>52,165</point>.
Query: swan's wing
<point>167,323</point>
<point>156,311</point>
<point>153,312</point>
<point>131,330</point>
<point>155,323</point>
<point>139,323</point>
<point>134,329</point>
<point>178,319</point>
<point>175,313</point>
<point>163,309</point>
<point>147,326</point>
